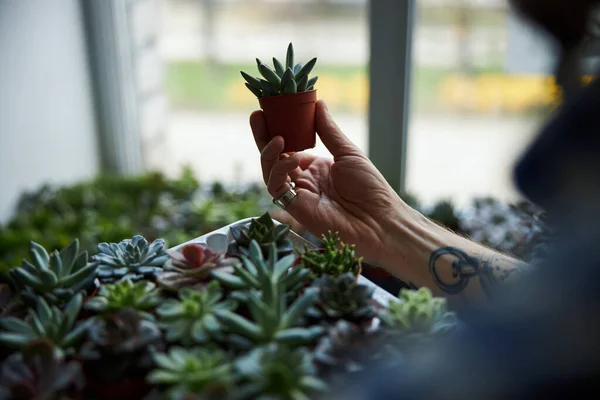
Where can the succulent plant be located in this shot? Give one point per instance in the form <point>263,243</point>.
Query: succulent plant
<point>264,231</point>
<point>133,259</point>
<point>56,276</point>
<point>418,315</point>
<point>272,318</point>
<point>278,372</point>
<point>46,322</point>
<point>336,258</point>
<point>346,348</point>
<point>193,371</point>
<point>119,345</point>
<point>192,267</point>
<point>343,298</point>
<point>191,319</point>
<point>40,374</point>
<point>288,79</point>
<point>256,272</point>
<point>141,296</point>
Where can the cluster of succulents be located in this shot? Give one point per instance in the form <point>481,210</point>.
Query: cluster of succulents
<point>265,232</point>
<point>193,267</point>
<point>282,79</point>
<point>134,259</point>
<point>57,276</point>
<point>195,323</point>
<point>334,259</point>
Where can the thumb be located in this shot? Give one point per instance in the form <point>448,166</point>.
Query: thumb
<point>331,135</point>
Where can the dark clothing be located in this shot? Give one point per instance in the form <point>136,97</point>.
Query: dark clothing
<point>538,338</point>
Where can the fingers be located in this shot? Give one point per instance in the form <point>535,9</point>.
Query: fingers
<point>331,135</point>
<point>270,156</point>
<point>259,129</point>
<point>279,177</point>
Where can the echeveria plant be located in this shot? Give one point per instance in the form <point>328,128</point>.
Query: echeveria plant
<point>133,259</point>
<point>141,296</point>
<point>56,276</point>
<point>265,232</point>
<point>336,258</point>
<point>279,79</point>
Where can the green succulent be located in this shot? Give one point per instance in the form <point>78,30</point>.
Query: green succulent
<point>46,322</point>
<point>119,345</point>
<point>336,258</point>
<point>343,298</point>
<point>255,272</point>
<point>289,79</point>
<point>265,232</point>
<point>141,296</point>
<point>193,371</point>
<point>192,267</point>
<point>56,276</point>
<point>271,317</point>
<point>133,259</point>
<point>40,374</point>
<point>418,314</point>
<point>191,319</point>
<point>278,372</point>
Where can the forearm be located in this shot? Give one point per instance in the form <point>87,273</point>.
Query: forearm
<point>423,253</point>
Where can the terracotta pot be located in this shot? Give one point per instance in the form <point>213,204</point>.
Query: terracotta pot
<point>291,116</point>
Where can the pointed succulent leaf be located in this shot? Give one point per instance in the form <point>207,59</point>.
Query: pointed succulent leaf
<point>308,89</point>
<point>284,264</point>
<point>43,311</point>
<point>278,67</point>
<point>252,81</point>
<point>75,335</point>
<point>39,255</point>
<point>72,308</point>
<point>267,88</point>
<point>80,262</point>
<point>289,58</point>
<point>296,336</point>
<point>16,325</point>
<point>68,255</point>
<point>302,84</point>
<point>300,306</point>
<point>14,339</point>
<point>256,92</point>
<point>238,324</point>
<point>311,82</point>
<point>304,71</point>
<point>297,68</point>
<point>287,77</point>
<point>28,279</point>
<point>270,76</point>
<point>48,277</point>
<point>37,325</point>
<point>229,280</point>
<point>79,275</point>
<point>290,88</point>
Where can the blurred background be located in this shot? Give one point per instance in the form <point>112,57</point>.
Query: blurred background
<point>121,88</point>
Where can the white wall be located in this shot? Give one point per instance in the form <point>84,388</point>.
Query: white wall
<point>47,131</point>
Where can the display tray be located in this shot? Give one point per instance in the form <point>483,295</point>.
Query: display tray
<point>219,240</point>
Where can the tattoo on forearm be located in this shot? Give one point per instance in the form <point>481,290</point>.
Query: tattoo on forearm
<point>466,267</point>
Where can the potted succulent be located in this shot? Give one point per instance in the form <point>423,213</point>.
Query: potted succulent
<point>192,318</point>
<point>265,232</point>
<point>40,373</point>
<point>117,354</point>
<point>193,267</point>
<point>288,98</point>
<point>334,259</point>
<point>133,259</point>
<point>56,276</point>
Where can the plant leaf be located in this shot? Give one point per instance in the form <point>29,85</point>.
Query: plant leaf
<point>267,88</point>
<point>297,68</point>
<point>68,256</point>
<point>238,324</point>
<point>39,255</point>
<point>252,81</point>
<point>287,77</point>
<point>29,280</point>
<point>312,81</point>
<point>270,76</point>
<point>290,88</point>
<point>229,280</point>
<point>79,275</point>
<point>299,307</point>
<point>289,58</point>
<point>305,70</point>
<point>302,84</point>
<point>43,311</point>
<point>256,92</point>
<point>278,67</point>
<point>15,325</point>
<point>72,309</point>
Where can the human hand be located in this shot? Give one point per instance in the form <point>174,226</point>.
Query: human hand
<point>346,194</point>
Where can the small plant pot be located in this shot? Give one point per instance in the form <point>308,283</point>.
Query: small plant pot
<point>291,116</point>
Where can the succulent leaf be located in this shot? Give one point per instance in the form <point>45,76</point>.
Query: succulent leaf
<point>302,84</point>
<point>311,82</point>
<point>278,67</point>
<point>270,76</point>
<point>252,81</point>
<point>290,88</point>
<point>305,70</point>
<point>289,58</point>
<point>256,92</point>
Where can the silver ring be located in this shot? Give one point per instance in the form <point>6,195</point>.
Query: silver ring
<point>285,199</point>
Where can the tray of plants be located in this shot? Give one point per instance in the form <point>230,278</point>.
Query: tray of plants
<point>248,311</point>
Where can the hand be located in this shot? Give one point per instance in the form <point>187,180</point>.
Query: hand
<point>346,194</point>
